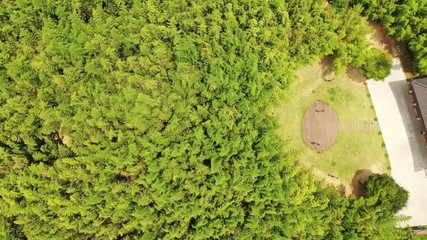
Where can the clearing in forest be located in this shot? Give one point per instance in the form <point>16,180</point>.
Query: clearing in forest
<point>352,150</point>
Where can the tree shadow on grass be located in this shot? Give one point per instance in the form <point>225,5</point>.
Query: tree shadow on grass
<point>360,176</point>
<point>382,40</point>
<point>327,68</point>
<point>355,75</point>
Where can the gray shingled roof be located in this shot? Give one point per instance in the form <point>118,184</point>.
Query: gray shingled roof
<point>420,90</point>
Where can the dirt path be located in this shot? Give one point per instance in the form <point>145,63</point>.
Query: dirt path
<point>420,232</point>
<point>380,39</point>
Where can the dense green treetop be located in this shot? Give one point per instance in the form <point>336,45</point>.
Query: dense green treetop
<point>387,194</point>
<point>129,119</point>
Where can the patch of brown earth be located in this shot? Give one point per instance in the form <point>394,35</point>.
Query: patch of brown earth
<point>355,75</point>
<point>327,69</point>
<point>420,232</point>
<point>380,39</point>
<point>360,176</point>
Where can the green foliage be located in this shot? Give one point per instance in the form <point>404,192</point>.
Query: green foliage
<point>360,222</point>
<point>341,4</point>
<point>404,19</point>
<point>129,119</point>
<point>377,64</point>
<point>385,192</point>
<point>352,45</point>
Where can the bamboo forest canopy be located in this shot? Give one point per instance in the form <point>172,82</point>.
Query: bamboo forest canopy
<point>130,119</point>
<point>406,20</point>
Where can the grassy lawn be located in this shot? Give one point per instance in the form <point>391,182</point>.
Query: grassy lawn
<point>352,151</point>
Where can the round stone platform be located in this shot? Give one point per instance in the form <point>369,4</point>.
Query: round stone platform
<point>320,126</point>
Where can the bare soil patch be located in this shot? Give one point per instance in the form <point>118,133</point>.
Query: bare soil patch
<point>420,233</point>
<point>360,176</point>
<point>355,75</point>
<point>327,68</point>
<point>380,39</point>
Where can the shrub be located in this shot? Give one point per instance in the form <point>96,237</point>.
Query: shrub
<point>377,65</point>
<point>386,192</point>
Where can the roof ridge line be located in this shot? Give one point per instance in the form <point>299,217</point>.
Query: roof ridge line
<point>421,84</point>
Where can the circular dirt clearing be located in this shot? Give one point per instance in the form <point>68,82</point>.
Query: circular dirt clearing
<point>320,126</point>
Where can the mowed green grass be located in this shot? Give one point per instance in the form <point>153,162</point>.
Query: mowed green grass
<point>352,151</point>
